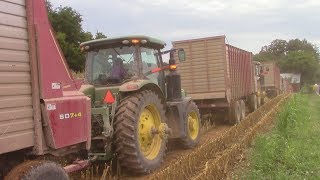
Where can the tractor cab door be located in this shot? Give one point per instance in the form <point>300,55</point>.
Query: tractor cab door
<point>151,61</point>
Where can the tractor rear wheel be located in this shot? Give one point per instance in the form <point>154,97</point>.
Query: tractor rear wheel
<point>235,113</point>
<point>140,132</point>
<point>242,109</point>
<point>37,170</point>
<point>192,126</point>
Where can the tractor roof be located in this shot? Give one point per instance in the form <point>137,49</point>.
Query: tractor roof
<point>152,42</point>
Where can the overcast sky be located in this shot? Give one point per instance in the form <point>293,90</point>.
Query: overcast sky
<point>248,24</point>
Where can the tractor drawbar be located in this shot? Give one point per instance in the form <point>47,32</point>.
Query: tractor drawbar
<point>79,165</point>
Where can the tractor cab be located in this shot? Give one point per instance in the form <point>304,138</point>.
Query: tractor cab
<point>112,62</point>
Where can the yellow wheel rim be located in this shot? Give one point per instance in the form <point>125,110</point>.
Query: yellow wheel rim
<point>148,132</point>
<point>193,125</point>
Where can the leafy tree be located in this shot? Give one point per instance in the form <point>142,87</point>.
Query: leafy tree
<point>301,62</point>
<point>67,24</point>
<point>304,45</point>
<point>68,21</point>
<point>277,47</point>
<point>293,56</point>
<point>99,35</point>
<point>273,52</point>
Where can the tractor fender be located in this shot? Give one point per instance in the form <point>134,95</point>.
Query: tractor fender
<point>143,84</point>
<point>177,117</point>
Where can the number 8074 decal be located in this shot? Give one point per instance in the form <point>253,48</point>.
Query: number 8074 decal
<point>70,115</point>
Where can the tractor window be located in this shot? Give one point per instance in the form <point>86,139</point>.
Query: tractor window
<point>149,62</point>
<point>110,66</point>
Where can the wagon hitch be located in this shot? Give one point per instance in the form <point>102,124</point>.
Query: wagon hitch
<point>78,165</point>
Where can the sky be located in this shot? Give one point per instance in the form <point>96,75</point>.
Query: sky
<point>247,24</point>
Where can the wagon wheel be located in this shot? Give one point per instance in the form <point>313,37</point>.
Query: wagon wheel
<point>253,102</point>
<point>235,113</point>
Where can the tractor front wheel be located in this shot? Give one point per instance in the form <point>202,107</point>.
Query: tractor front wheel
<point>140,132</point>
<point>193,125</point>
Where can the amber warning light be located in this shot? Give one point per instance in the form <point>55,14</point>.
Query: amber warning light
<point>135,41</point>
<point>108,98</point>
<point>173,67</point>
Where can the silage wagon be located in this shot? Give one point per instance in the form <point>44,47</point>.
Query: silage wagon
<point>219,76</point>
<point>271,75</point>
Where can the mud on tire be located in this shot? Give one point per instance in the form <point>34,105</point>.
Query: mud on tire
<point>127,147</point>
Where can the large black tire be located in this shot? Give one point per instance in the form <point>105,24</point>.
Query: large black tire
<point>242,109</point>
<point>130,155</point>
<point>253,102</point>
<point>234,113</point>
<point>193,125</point>
<point>37,170</point>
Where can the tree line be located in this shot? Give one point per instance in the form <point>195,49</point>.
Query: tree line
<point>293,56</point>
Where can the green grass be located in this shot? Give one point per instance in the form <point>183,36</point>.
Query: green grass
<point>292,149</point>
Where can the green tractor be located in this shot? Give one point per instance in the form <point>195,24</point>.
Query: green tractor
<point>137,102</point>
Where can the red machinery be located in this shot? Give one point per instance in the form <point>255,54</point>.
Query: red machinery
<point>64,107</point>
<point>50,116</point>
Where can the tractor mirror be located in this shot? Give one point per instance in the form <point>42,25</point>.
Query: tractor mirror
<point>181,55</point>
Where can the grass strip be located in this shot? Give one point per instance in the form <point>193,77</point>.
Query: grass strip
<point>291,149</point>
